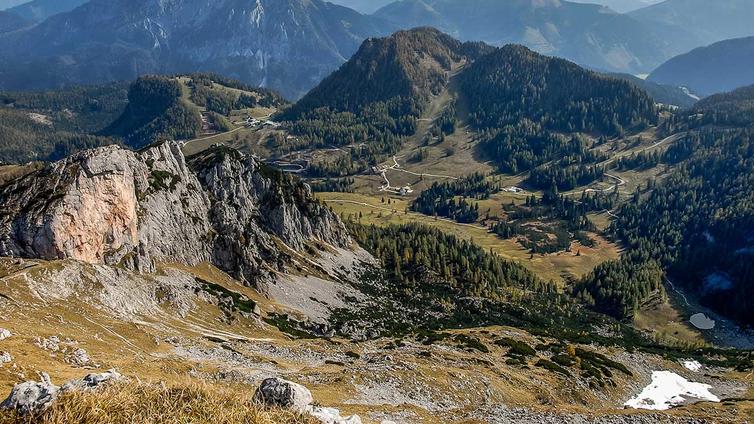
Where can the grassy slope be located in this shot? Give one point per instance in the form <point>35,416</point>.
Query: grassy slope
<point>208,371</point>
<point>150,403</point>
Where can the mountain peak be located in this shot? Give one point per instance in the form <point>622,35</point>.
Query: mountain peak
<point>256,41</point>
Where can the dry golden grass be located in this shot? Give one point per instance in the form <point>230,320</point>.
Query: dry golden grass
<point>135,403</point>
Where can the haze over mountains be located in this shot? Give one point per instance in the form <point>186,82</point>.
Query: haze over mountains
<point>363,6</point>
<point>290,45</point>
<point>708,21</point>
<point>39,10</point>
<point>717,68</point>
<point>621,6</point>
<point>587,34</point>
<point>5,4</point>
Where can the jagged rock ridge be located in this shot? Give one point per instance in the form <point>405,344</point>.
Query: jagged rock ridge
<point>115,206</point>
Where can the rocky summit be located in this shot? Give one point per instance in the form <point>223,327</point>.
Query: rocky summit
<point>118,207</point>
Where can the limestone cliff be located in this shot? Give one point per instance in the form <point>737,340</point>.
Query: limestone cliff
<point>115,206</point>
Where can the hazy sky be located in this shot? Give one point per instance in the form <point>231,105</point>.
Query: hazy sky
<point>369,6</point>
<point>621,5</point>
<point>363,6</point>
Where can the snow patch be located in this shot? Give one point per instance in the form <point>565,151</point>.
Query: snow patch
<point>669,389</point>
<point>692,365</point>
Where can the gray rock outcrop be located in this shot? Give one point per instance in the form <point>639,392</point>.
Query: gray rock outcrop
<point>4,334</point>
<point>93,381</point>
<point>78,357</point>
<point>115,206</point>
<point>31,396</point>
<point>280,393</point>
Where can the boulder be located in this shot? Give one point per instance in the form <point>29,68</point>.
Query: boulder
<point>4,334</point>
<point>93,381</point>
<point>284,394</point>
<point>31,396</point>
<point>78,358</point>
<point>5,357</point>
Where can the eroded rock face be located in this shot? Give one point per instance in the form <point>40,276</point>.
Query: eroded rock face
<point>115,206</point>
<point>81,208</point>
<point>280,393</point>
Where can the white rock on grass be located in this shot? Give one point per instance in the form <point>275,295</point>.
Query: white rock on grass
<point>332,416</point>
<point>4,334</point>
<point>284,394</point>
<point>669,389</point>
<point>78,358</point>
<point>51,343</point>
<point>692,365</point>
<point>5,358</point>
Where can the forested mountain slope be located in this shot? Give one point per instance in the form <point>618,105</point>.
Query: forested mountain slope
<point>696,223</point>
<point>53,124</point>
<point>733,108</point>
<point>515,83</point>
<point>50,125</point>
<point>376,98</point>
<point>378,95</point>
<point>661,93</point>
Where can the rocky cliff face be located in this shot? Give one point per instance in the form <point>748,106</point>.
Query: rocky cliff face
<point>115,206</point>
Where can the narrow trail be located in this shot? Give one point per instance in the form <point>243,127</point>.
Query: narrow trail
<point>678,292</point>
<point>397,167</point>
<point>620,182</point>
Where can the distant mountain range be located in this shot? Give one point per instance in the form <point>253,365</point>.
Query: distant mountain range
<point>588,34</point>
<point>621,6</point>
<point>717,68</point>
<point>363,6</point>
<point>289,45</point>
<point>707,21</point>
<point>5,4</point>
<point>39,10</point>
